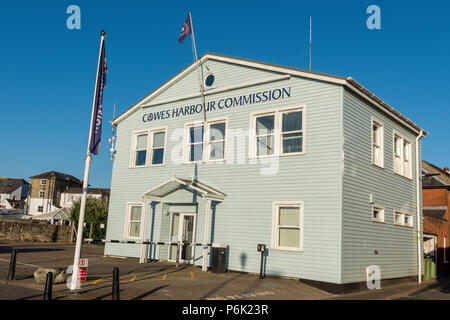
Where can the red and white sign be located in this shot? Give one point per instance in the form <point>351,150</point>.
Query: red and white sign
<point>82,270</point>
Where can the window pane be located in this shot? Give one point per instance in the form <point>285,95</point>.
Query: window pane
<point>265,146</point>
<point>407,220</point>
<point>398,218</point>
<point>158,156</point>
<point>289,216</point>
<point>135,229</point>
<point>141,142</point>
<point>217,150</point>
<point>217,132</point>
<point>141,157</point>
<point>196,152</point>
<point>135,214</point>
<point>397,145</point>
<point>196,134</point>
<point>158,139</point>
<point>265,125</point>
<point>376,155</point>
<point>292,142</point>
<point>289,238</point>
<point>292,121</point>
<point>377,214</point>
<point>406,151</point>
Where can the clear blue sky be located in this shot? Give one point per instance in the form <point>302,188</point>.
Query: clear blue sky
<point>47,72</point>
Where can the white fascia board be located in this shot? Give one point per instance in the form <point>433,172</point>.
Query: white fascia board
<point>354,86</point>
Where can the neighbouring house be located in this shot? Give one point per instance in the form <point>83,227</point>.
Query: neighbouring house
<point>73,193</point>
<point>14,189</point>
<point>57,217</point>
<point>46,190</point>
<point>313,165</point>
<point>436,216</point>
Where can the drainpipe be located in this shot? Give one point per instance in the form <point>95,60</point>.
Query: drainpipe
<point>419,221</point>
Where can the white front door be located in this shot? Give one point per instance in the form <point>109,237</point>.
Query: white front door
<point>182,231</point>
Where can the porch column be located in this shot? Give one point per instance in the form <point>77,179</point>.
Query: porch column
<point>143,258</point>
<point>206,235</point>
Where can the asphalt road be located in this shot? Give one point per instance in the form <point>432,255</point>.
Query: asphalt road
<point>11,292</point>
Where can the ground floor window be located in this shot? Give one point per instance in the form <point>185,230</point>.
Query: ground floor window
<point>287,233</point>
<point>133,225</point>
<point>40,209</point>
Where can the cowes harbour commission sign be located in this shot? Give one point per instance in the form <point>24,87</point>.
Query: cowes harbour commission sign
<point>224,103</point>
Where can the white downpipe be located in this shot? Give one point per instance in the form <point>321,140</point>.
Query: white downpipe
<point>419,221</point>
<point>206,236</point>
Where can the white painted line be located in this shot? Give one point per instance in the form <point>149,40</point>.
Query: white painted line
<point>25,264</point>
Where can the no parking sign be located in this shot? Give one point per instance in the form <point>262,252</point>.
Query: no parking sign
<point>82,270</point>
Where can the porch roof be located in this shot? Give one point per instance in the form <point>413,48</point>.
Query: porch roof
<point>176,183</point>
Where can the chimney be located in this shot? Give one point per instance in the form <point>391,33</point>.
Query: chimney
<point>447,170</point>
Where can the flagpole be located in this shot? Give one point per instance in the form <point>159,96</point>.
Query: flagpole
<point>310,41</point>
<point>198,70</point>
<point>88,160</point>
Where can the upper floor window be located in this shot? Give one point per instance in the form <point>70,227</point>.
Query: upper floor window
<point>41,193</point>
<point>377,144</point>
<point>377,213</point>
<point>158,146</point>
<point>43,182</point>
<point>277,133</point>
<point>403,219</point>
<point>206,142</point>
<point>140,150</point>
<point>402,156</point>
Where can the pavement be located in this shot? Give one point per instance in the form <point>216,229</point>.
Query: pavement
<point>164,281</point>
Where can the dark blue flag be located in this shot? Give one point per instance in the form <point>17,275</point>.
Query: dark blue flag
<point>187,28</point>
<point>96,134</point>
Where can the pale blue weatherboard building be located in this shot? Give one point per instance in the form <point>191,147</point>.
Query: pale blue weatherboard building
<point>313,165</point>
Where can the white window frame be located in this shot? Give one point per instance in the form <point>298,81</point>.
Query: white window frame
<point>128,221</point>
<point>135,134</point>
<point>40,191</point>
<point>205,140</point>
<point>150,149</point>
<point>43,182</point>
<point>208,142</point>
<point>403,214</point>
<point>275,227</point>
<point>381,146</point>
<point>278,134</point>
<point>401,156</point>
<point>379,208</point>
<point>445,250</point>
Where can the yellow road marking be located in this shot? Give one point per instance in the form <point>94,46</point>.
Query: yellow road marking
<point>97,281</point>
<point>132,279</point>
<point>192,275</point>
<point>164,277</point>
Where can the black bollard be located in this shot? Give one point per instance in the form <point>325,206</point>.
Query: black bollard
<point>48,287</point>
<point>12,266</point>
<point>261,276</point>
<point>116,286</point>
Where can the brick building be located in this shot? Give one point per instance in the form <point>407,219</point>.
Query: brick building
<point>436,215</point>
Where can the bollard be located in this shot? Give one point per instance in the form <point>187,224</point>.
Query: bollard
<point>12,266</point>
<point>48,287</point>
<point>261,276</point>
<point>116,286</point>
<point>178,255</point>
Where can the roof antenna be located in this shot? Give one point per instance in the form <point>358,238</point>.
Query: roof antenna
<point>310,40</point>
<point>112,140</point>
